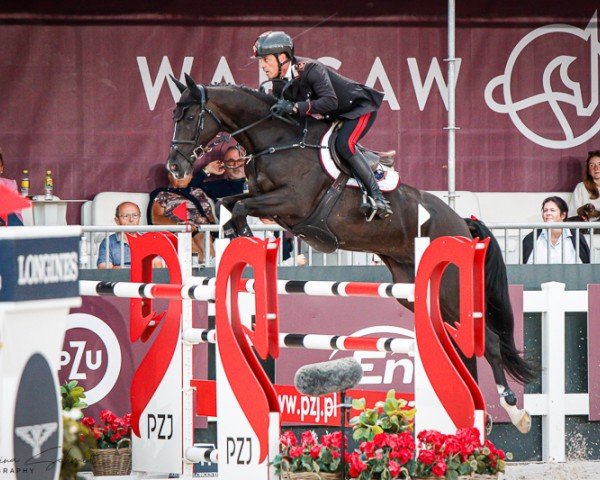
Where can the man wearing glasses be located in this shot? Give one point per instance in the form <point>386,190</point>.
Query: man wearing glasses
<point>231,169</point>
<point>127,213</point>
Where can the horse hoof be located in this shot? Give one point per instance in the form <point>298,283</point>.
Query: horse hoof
<point>489,424</point>
<point>524,424</point>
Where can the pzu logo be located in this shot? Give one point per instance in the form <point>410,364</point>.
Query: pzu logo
<point>92,359</point>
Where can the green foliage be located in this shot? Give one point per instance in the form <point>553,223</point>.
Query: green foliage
<point>72,396</point>
<point>77,445</point>
<point>77,438</point>
<point>390,416</point>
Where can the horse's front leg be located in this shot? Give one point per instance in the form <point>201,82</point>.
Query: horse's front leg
<point>270,204</point>
<point>229,202</point>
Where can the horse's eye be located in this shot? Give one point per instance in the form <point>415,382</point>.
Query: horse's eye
<point>190,117</point>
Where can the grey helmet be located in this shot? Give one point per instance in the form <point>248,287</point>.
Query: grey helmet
<point>273,43</point>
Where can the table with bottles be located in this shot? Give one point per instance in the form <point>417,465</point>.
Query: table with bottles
<point>47,209</point>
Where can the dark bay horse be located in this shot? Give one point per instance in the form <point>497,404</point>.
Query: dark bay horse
<point>286,182</point>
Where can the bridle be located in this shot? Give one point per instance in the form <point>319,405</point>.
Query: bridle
<point>199,150</point>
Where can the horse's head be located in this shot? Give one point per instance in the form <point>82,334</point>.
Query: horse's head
<point>195,125</point>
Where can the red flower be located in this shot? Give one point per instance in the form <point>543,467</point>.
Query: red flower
<point>356,466</point>
<point>288,439</point>
<point>296,452</point>
<point>88,422</point>
<point>439,469</point>
<point>107,416</point>
<point>380,440</point>
<point>315,451</point>
<point>308,438</point>
<point>426,456</point>
<point>368,448</point>
<point>394,469</point>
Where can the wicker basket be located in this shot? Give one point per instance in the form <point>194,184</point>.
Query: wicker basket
<point>310,476</point>
<point>112,461</point>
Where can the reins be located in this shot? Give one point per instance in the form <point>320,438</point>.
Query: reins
<point>199,151</point>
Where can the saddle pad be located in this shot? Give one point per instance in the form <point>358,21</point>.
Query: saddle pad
<point>388,183</point>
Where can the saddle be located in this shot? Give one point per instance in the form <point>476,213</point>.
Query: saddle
<point>373,157</point>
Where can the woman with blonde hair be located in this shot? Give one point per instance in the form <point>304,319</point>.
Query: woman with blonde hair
<point>585,201</point>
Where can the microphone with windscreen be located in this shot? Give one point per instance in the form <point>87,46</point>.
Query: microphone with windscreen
<point>328,377</point>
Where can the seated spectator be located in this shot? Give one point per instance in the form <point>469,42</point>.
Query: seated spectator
<point>163,202</point>
<point>14,219</point>
<point>127,213</point>
<point>562,243</point>
<point>585,201</point>
<point>232,169</point>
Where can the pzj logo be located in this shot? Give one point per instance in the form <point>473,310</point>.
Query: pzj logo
<point>567,101</point>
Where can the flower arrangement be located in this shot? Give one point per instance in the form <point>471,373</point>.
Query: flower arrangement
<point>309,455</point>
<point>450,456</point>
<point>111,431</point>
<point>385,457</point>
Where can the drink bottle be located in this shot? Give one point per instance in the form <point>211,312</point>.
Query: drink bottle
<point>48,186</point>
<point>25,183</point>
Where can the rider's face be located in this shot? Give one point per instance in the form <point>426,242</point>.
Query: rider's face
<point>269,65</point>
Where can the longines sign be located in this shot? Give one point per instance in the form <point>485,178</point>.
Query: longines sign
<point>34,269</point>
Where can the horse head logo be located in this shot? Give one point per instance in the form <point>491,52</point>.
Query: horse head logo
<point>561,95</point>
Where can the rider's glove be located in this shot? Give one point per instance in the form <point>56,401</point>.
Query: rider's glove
<point>283,107</point>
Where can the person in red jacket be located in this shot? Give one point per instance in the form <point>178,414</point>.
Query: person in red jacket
<point>321,92</point>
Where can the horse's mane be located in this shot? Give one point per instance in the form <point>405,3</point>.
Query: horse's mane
<point>262,96</point>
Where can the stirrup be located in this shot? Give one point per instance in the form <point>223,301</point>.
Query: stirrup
<point>368,207</point>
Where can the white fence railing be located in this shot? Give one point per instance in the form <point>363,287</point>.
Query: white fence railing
<point>509,235</point>
<point>553,404</point>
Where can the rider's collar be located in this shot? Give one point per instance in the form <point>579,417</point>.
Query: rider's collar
<point>291,72</point>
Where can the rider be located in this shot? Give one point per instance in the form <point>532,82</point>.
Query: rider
<point>317,90</point>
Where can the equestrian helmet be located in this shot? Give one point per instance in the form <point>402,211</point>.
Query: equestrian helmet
<point>273,43</point>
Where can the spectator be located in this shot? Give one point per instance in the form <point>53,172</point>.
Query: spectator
<point>232,169</point>
<point>164,202</point>
<point>127,214</point>
<point>562,242</point>
<point>585,201</point>
<point>14,219</point>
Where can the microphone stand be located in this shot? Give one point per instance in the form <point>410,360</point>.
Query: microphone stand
<point>344,409</point>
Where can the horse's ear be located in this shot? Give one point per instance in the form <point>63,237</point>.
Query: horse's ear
<point>192,87</point>
<point>180,86</point>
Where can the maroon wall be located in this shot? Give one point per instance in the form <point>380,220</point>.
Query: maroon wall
<point>73,98</point>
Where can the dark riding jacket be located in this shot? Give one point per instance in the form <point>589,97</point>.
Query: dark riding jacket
<point>319,89</point>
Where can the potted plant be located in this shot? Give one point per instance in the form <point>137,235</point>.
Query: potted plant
<point>457,456</point>
<point>78,441</point>
<point>310,459</point>
<point>386,444</point>
<point>113,434</point>
<point>389,416</point>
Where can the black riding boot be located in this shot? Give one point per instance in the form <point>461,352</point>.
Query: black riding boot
<point>363,171</point>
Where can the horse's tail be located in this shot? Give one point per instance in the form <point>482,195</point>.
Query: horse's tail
<point>499,314</point>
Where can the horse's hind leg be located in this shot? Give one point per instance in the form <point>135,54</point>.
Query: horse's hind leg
<point>519,417</point>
